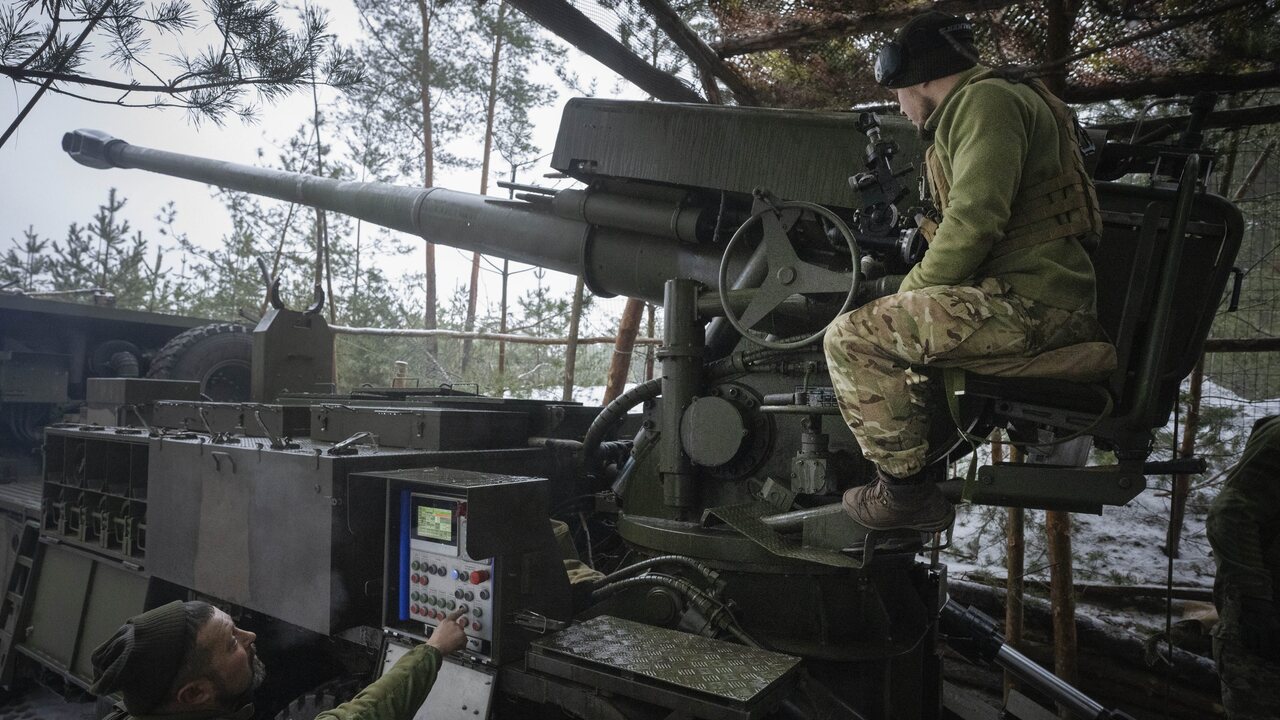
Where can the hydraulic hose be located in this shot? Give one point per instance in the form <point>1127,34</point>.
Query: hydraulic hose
<point>613,414</point>
<point>718,618</point>
<point>712,577</point>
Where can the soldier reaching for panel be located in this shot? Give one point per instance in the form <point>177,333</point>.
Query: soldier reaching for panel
<point>190,661</point>
<point>1005,274</point>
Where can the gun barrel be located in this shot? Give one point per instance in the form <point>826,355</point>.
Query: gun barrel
<point>612,260</point>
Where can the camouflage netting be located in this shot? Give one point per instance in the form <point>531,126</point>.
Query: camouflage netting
<point>828,65</point>
<point>817,53</point>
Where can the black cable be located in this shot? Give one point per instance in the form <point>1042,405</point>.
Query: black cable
<point>711,576</point>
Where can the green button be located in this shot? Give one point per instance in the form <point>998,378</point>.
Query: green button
<point>416,597</point>
<point>453,604</point>
<point>477,612</point>
<point>416,565</point>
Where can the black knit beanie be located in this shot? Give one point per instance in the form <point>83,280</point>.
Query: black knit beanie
<point>144,656</point>
<point>932,45</point>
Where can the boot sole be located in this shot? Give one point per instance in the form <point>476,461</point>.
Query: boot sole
<point>929,527</point>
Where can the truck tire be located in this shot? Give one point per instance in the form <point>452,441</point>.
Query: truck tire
<point>320,698</point>
<point>219,355</point>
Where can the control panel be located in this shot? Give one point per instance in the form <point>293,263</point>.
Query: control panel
<point>479,543</point>
<point>437,577</point>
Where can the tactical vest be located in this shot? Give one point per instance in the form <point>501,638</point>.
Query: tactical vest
<point>1065,206</point>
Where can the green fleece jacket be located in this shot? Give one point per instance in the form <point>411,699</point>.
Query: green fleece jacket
<point>993,137</point>
<point>396,695</point>
<point>1244,521</point>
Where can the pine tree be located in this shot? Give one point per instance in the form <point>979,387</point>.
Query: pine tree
<point>420,65</point>
<point>24,265</point>
<point>64,47</point>
<point>517,47</point>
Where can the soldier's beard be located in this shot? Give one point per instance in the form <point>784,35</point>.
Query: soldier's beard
<point>231,700</point>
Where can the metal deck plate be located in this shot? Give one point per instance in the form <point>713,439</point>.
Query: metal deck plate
<point>725,670</point>
<point>745,518</point>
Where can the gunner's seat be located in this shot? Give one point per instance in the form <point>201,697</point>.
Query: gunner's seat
<point>1162,265</point>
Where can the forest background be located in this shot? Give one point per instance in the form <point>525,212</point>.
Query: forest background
<point>463,94</point>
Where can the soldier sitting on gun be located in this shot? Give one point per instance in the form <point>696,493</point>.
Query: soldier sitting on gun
<point>189,660</point>
<point>1005,274</point>
<point>1244,530</point>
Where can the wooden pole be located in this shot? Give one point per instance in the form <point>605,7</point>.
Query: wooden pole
<point>1061,21</point>
<point>1015,567</point>
<point>620,363</point>
<point>429,320</point>
<point>1062,597</point>
<point>571,348</point>
<point>1182,483</point>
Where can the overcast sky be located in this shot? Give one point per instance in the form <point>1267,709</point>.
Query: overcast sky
<point>40,186</point>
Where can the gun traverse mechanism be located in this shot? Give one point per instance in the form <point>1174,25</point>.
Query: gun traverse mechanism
<point>736,219</point>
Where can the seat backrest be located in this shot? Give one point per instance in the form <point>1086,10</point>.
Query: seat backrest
<point>1129,264</point>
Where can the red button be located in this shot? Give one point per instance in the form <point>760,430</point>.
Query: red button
<point>416,610</point>
<point>476,626</point>
<point>414,579</point>
<point>464,622</point>
<point>479,576</point>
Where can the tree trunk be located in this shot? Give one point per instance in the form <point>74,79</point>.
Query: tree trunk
<point>1061,20</point>
<point>620,363</point>
<point>490,112</point>
<point>502,325</point>
<point>1015,568</point>
<point>428,172</point>
<point>1182,483</point>
<point>1062,596</point>
<point>1119,645</point>
<point>571,348</point>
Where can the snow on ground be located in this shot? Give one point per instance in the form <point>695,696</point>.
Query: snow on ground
<point>587,395</point>
<point>1123,546</point>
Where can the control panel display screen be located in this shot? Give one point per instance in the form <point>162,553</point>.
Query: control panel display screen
<point>434,520</point>
<point>435,523</point>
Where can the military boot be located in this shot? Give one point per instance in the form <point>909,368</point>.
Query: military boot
<point>887,503</point>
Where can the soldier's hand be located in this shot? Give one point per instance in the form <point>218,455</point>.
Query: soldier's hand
<point>1260,627</point>
<point>449,637</point>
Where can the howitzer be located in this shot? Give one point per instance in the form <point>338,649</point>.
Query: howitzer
<point>647,217</point>
<point>748,219</point>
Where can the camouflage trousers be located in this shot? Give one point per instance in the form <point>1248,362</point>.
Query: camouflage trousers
<point>1250,684</point>
<point>875,354</point>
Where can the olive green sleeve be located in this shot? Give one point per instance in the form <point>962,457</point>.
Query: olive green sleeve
<point>982,142</point>
<point>1248,502</point>
<point>396,695</point>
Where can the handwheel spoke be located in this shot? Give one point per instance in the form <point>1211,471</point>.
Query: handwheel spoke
<point>812,278</point>
<point>786,274</point>
<point>767,297</point>
<point>777,244</point>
